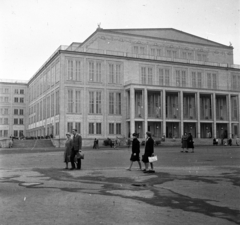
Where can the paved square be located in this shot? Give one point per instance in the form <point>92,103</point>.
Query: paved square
<point>187,188</point>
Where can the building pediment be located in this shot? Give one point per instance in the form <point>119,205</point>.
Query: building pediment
<point>167,34</point>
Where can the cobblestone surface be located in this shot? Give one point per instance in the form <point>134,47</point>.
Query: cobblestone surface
<point>187,188</point>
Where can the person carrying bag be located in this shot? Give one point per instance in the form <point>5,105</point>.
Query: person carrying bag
<point>76,149</point>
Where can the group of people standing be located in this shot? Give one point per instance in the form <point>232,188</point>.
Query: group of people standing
<point>149,151</point>
<point>187,142</point>
<point>73,146</point>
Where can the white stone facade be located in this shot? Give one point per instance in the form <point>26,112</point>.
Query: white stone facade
<point>133,80</point>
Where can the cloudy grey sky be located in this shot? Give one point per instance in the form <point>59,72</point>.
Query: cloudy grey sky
<point>31,30</point>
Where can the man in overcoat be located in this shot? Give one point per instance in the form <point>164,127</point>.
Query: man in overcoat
<point>77,146</point>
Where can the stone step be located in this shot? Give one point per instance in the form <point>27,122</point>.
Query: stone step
<point>36,143</point>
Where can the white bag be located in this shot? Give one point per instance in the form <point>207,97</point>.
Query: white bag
<point>152,158</point>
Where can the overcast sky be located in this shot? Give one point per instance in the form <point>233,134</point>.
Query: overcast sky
<point>31,30</point>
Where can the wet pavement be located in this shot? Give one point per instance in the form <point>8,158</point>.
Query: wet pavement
<point>187,188</point>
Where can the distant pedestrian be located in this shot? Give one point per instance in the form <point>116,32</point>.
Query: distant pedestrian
<point>215,141</point>
<point>135,152</point>
<point>67,150</point>
<point>95,143</point>
<point>184,142</point>
<point>190,142</point>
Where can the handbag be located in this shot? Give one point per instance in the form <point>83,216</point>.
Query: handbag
<point>80,155</point>
<point>152,159</point>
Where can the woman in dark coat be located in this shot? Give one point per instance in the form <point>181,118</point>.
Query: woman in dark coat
<point>190,142</point>
<point>185,142</point>
<point>135,151</point>
<point>149,151</point>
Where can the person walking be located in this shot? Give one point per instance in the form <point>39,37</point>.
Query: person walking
<point>149,151</point>
<point>68,149</point>
<point>95,143</point>
<point>184,142</point>
<point>76,148</point>
<point>190,142</point>
<point>135,152</point>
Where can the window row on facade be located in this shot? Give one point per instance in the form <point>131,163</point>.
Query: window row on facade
<point>6,90</point>
<point>5,121</point>
<point>94,128</point>
<point>16,133</point>
<point>184,77</point>
<point>47,107</point>
<point>6,111</point>
<point>170,52</point>
<point>45,81</point>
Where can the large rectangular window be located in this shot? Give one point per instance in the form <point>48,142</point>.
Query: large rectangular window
<point>78,101</point>
<point>114,73</point>
<point>78,127</point>
<point>15,121</point>
<point>98,103</point>
<point>57,72</point>
<point>111,128</point>
<point>211,80</point>
<point>40,110</point>
<point>111,103</point>
<point>69,127</point>
<point>194,79</point>
<point>78,70</point>
<point>115,103</point>
<point>95,71</point>
<point>118,103</point>
<point>91,102</point>
<point>70,69</point>
<point>70,101</point>
<point>21,121</point>
<point>91,71</point>
<point>57,103</point>
<point>57,128</point>
<point>48,107</point>
<point>91,128</point>
<point>52,105</point>
<point>111,73</point>
<point>199,79</point>
<point>143,75</point>
<point>146,75</point>
<point>98,128</point>
<point>118,128</point>
<point>95,102</point>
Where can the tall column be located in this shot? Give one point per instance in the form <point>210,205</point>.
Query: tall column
<point>132,110</point>
<point>181,113</point>
<point>214,130</point>
<point>239,115</point>
<point>145,112</point>
<point>229,116</point>
<point>198,115</point>
<point>163,108</point>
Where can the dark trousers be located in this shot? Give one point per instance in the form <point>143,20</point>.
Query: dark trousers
<point>72,159</point>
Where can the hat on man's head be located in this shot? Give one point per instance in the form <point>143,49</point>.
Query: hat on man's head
<point>135,134</point>
<point>74,129</point>
<point>68,134</point>
<point>148,133</point>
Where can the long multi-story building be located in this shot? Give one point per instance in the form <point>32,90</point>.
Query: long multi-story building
<point>13,108</point>
<point>120,81</point>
